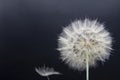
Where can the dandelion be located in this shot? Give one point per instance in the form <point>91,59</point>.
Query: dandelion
<point>46,72</point>
<point>83,43</point>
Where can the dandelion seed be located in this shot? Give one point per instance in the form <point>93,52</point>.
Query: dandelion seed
<point>83,43</point>
<point>46,71</point>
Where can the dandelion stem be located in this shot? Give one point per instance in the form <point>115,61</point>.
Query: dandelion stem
<point>87,67</point>
<point>48,78</point>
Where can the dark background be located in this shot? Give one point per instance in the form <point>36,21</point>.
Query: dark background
<point>29,31</point>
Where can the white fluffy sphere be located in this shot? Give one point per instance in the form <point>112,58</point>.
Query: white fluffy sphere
<point>83,37</point>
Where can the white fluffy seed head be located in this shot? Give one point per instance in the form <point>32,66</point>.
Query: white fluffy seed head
<point>84,37</point>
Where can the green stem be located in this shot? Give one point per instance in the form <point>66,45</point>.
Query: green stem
<point>48,78</point>
<point>87,67</point>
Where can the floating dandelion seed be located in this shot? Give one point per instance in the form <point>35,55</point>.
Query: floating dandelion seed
<point>83,43</point>
<point>46,71</point>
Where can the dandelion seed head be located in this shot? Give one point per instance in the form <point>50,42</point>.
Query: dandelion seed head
<point>83,37</point>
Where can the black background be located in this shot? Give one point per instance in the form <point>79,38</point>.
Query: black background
<point>29,31</point>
